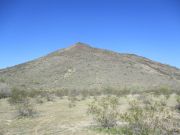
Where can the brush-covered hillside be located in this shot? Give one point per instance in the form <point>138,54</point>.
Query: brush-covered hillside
<point>83,67</point>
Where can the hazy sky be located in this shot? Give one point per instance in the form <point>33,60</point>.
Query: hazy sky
<point>32,28</point>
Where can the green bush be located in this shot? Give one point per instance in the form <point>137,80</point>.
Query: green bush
<point>104,111</point>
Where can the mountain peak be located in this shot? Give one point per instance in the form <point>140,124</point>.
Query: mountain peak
<point>81,66</point>
<point>81,45</point>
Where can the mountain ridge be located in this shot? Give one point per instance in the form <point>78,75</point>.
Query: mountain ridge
<point>87,45</point>
<point>81,66</point>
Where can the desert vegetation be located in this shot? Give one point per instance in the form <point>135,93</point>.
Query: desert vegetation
<point>153,117</point>
<point>145,116</point>
<point>22,102</point>
<point>103,112</point>
<point>178,103</point>
<point>5,90</point>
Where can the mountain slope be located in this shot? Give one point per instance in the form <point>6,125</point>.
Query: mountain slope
<point>83,67</point>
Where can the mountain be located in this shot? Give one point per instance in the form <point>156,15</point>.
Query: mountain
<point>83,67</point>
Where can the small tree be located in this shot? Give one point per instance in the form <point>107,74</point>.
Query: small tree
<point>104,111</point>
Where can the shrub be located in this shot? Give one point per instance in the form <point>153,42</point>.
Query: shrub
<point>18,96</point>
<point>2,80</point>
<point>72,101</point>
<point>152,118</point>
<point>162,91</point>
<point>5,91</point>
<point>84,94</point>
<point>35,93</point>
<point>39,99</point>
<point>22,102</point>
<point>25,108</point>
<point>104,111</point>
<point>49,96</point>
<point>61,93</point>
<point>177,107</point>
<point>117,92</point>
<point>178,101</point>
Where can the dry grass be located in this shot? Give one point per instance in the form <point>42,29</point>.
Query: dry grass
<point>53,118</point>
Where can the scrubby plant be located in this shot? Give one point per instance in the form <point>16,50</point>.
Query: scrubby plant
<point>72,95</point>
<point>61,93</point>
<point>162,91</point>
<point>49,96</point>
<point>22,102</point>
<point>39,99</point>
<point>84,94</point>
<point>117,92</point>
<point>72,101</point>
<point>177,107</point>
<point>178,103</point>
<point>104,111</point>
<point>2,80</point>
<point>150,117</point>
<point>35,93</point>
<point>25,108</point>
<point>153,118</point>
<point>5,90</point>
<point>178,99</point>
<point>18,96</point>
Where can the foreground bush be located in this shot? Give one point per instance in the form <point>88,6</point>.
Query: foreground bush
<point>150,117</point>
<point>104,111</point>
<point>153,118</point>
